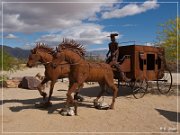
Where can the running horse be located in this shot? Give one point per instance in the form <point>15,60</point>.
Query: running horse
<point>43,54</point>
<point>83,71</point>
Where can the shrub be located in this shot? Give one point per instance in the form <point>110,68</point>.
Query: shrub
<point>7,62</point>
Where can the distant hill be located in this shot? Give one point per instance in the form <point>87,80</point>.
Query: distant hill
<point>23,54</point>
<point>16,52</point>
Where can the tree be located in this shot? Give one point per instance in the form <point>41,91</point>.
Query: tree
<point>168,38</point>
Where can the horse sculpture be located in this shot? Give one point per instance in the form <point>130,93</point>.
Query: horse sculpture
<point>83,71</point>
<point>43,54</point>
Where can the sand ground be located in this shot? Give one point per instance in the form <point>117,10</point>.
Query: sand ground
<point>154,113</point>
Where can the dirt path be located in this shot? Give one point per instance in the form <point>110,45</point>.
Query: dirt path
<point>153,113</point>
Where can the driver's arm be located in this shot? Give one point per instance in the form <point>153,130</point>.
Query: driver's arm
<point>107,53</point>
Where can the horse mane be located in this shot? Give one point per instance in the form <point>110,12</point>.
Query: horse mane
<point>72,45</point>
<point>43,47</point>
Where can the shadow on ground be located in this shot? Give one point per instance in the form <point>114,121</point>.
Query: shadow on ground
<point>93,91</point>
<point>170,115</point>
<point>89,92</point>
<point>29,101</point>
<point>30,104</point>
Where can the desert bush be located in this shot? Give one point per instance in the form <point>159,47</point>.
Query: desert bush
<point>9,63</point>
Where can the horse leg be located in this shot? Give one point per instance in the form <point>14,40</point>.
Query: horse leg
<point>48,103</point>
<point>77,96</point>
<point>102,85</point>
<point>69,97</point>
<point>111,85</point>
<point>40,87</point>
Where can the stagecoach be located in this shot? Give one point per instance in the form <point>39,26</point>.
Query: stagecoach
<point>143,65</point>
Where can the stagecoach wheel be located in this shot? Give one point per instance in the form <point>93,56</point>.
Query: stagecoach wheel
<point>131,84</point>
<point>164,84</point>
<point>140,88</point>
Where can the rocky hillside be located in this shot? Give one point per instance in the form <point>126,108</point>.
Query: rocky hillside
<point>16,52</point>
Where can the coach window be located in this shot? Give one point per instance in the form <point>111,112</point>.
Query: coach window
<point>150,62</point>
<point>141,60</point>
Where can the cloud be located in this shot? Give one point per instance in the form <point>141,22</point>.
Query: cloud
<point>130,9</point>
<point>149,44</point>
<point>129,25</point>
<point>11,36</point>
<point>40,17</point>
<point>35,17</point>
<point>99,49</point>
<point>28,46</point>
<point>85,33</point>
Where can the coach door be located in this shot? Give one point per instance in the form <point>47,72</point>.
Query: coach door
<point>151,66</point>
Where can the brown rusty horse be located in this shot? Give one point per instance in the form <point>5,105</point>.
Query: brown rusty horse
<point>43,54</point>
<point>83,71</point>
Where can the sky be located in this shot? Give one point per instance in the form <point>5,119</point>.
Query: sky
<point>90,22</point>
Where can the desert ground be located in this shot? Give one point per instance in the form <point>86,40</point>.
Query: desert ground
<point>152,114</point>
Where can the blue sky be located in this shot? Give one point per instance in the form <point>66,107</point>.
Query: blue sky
<point>89,23</point>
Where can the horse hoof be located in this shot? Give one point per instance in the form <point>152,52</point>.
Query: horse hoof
<point>67,112</point>
<point>79,98</point>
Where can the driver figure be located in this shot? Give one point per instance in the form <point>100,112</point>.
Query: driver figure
<point>114,54</point>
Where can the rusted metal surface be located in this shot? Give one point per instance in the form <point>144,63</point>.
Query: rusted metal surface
<point>125,66</point>
<point>143,62</point>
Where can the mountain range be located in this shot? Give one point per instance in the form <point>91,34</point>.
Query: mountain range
<point>23,54</point>
<point>16,52</point>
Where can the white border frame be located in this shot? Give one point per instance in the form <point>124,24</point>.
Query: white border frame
<point>177,3</point>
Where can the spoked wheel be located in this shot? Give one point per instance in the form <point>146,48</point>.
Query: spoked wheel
<point>140,88</point>
<point>164,84</point>
<point>131,84</point>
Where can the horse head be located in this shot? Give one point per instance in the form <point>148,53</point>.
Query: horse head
<point>69,51</point>
<point>41,53</point>
<point>33,58</point>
